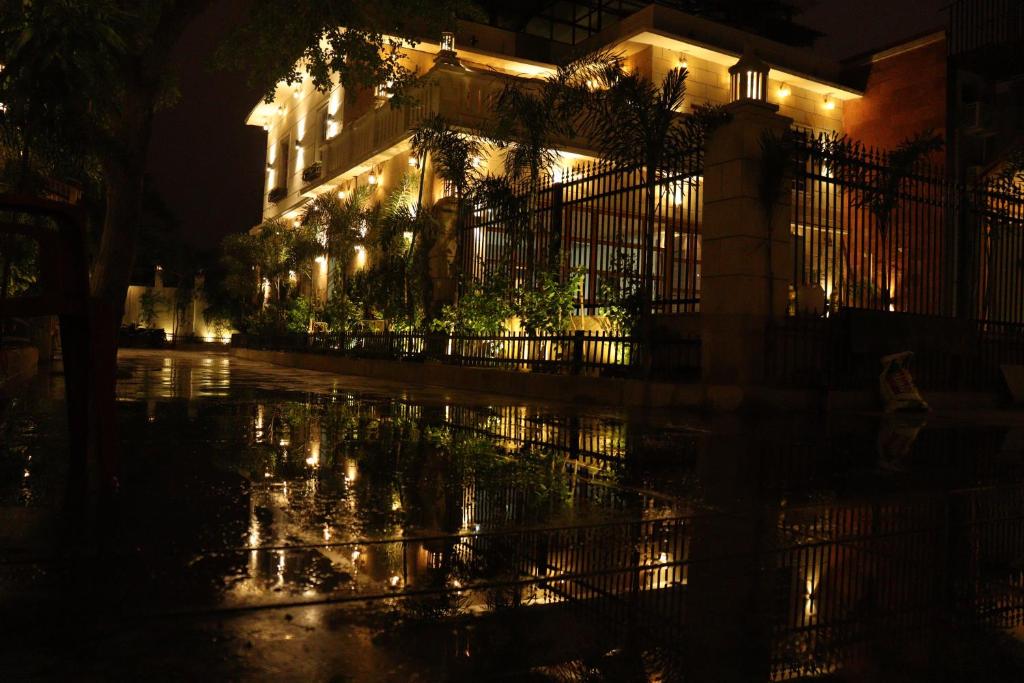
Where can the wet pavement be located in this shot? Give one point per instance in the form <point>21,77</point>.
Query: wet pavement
<point>279,524</point>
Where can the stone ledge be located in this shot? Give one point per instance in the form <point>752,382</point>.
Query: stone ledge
<point>626,393</point>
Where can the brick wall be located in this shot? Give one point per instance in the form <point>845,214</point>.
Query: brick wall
<point>905,93</point>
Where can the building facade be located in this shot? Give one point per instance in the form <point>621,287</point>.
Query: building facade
<point>338,141</point>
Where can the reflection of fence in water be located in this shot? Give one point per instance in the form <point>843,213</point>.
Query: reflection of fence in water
<point>838,579</point>
<point>843,572</point>
<point>585,436</point>
<point>496,507</point>
<point>636,567</point>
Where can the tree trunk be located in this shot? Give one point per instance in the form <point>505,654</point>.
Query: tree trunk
<point>123,176</point>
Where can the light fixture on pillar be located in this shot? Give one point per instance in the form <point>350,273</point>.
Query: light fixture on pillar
<point>447,54</point>
<point>748,79</point>
<point>447,41</point>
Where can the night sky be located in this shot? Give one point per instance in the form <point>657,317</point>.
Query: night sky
<point>208,166</point>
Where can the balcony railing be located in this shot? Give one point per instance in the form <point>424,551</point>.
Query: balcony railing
<point>981,24</point>
<point>464,99</point>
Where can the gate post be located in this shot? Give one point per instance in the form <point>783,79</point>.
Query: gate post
<point>747,254</point>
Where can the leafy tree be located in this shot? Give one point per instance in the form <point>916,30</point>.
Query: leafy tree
<point>82,81</point>
<point>150,304</point>
<point>239,295</point>
<point>481,310</point>
<point>18,265</point>
<point>622,294</point>
<point>547,307</point>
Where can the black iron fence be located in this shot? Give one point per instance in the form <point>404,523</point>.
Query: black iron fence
<point>868,232</point>
<point>872,231</point>
<point>578,353</point>
<point>991,262</point>
<point>978,24</point>
<point>593,217</point>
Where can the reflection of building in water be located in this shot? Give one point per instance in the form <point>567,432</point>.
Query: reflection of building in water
<point>827,580</point>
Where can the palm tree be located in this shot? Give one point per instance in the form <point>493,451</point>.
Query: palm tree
<point>532,118</point>
<point>272,253</point>
<point>453,154</point>
<point>339,224</point>
<point>635,123</point>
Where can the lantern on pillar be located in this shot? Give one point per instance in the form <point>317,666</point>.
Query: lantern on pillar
<point>447,54</point>
<point>448,41</point>
<point>748,79</point>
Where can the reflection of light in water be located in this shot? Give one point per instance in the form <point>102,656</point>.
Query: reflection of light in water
<point>396,502</point>
<point>280,567</point>
<point>351,470</point>
<point>395,582</point>
<point>809,603</point>
<point>327,532</point>
<point>259,422</point>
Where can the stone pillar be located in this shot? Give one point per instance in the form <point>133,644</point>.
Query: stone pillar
<point>740,288</point>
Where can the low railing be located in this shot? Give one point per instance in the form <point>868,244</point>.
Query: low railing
<point>579,353</point>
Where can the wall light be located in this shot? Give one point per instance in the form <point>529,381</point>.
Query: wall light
<point>414,160</point>
<point>684,61</point>
<point>342,194</point>
<point>360,257</point>
<point>829,103</point>
<point>372,180</point>
<point>784,90</point>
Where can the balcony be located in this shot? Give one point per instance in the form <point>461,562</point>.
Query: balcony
<point>988,36</point>
<point>461,97</point>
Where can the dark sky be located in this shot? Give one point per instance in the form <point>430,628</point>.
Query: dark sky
<point>208,166</point>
